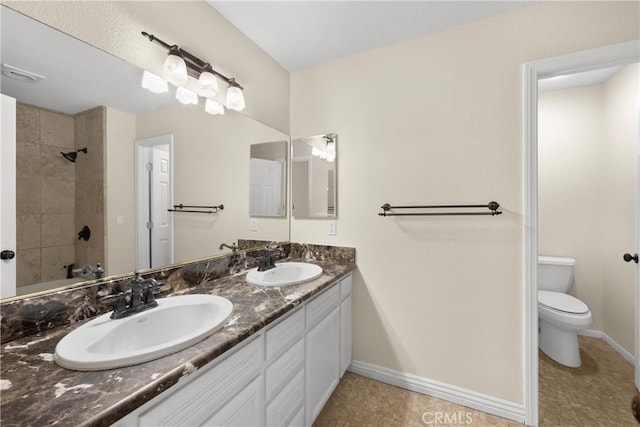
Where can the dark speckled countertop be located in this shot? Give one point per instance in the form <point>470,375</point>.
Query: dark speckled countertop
<point>37,392</point>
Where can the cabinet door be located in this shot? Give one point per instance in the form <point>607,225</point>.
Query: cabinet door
<point>345,335</point>
<point>323,363</point>
<point>244,409</point>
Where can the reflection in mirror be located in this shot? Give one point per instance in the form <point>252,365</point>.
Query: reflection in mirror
<point>268,179</point>
<point>101,106</point>
<point>313,176</point>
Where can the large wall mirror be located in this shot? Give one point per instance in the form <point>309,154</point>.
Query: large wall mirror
<point>313,176</point>
<point>84,136</point>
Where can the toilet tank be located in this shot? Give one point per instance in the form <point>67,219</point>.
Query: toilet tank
<point>555,274</point>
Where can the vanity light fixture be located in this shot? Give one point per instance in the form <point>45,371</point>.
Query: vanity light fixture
<point>180,65</point>
<point>154,83</point>
<point>175,69</point>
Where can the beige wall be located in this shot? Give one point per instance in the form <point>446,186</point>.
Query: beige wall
<point>119,195</point>
<point>115,26</point>
<point>587,140</point>
<point>572,184</point>
<point>441,297</point>
<point>622,113</point>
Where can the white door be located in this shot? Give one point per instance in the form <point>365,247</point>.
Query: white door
<point>154,196</point>
<point>266,184</point>
<point>160,203</point>
<point>8,196</point>
<point>637,376</point>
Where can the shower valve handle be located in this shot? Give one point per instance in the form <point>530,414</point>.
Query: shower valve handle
<point>7,255</point>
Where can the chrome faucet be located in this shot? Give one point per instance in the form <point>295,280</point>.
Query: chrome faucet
<point>86,270</point>
<point>267,261</point>
<point>233,247</point>
<point>140,297</point>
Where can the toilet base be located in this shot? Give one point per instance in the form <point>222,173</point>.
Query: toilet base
<point>560,345</point>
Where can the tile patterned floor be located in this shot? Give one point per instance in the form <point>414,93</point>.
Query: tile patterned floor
<point>597,394</point>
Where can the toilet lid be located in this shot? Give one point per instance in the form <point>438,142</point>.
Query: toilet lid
<point>562,302</point>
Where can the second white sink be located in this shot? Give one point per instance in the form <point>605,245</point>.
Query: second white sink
<point>175,324</point>
<point>285,274</point>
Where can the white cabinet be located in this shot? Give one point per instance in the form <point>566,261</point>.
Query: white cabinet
<point>323,363</point>
<point>282,376</point>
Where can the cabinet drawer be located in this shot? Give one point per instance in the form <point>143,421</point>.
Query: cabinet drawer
<point>287,402</point>
<point>322,305</point>
<point>284,334</point>
<point>194,402</point>
<point>285,367</point>
<point>345,287</point>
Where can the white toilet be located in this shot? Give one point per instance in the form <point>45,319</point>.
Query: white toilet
<point>561,315</point>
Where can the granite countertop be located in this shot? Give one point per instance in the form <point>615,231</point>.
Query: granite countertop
<point>35,391</point>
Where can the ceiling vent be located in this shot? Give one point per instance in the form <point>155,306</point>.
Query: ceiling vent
<point>21,75</point>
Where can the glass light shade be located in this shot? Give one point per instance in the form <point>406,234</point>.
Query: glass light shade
<point>316,152</point>
<point>213,107</point>
<point>154,83</point>
<point>186,96</point>
<point>207,85</point>
<point>175,70</point>
<point>235,98</point>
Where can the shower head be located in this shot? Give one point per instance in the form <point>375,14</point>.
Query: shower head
<point>72,155</point>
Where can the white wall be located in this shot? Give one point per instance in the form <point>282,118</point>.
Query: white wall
<point>115,26</point>
<point>572,184</point>
<point>441,297</point>
<point>622,114</point>
<point>211,166</point>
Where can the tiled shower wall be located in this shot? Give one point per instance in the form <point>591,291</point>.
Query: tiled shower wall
<point>47,208</point>
<point>89,132</point>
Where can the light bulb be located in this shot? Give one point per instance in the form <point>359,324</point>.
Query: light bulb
<point>175,70</point>
<point>235,98</point>
<point>213,107</point>
<point>207,85</point>
<point>154,83</point>
<point>186,96</point>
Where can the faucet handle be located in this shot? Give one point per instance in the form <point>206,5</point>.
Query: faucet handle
<point>117,301</point>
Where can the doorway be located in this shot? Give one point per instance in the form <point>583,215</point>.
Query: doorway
<point>154,198</point>
<point>616,55</point>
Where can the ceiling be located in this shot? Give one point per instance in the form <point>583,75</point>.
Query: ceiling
<point>587,78</point>
<point>302,34</point>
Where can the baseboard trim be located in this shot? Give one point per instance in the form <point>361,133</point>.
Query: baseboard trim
<point>482,402</point>
<point>606,338</point>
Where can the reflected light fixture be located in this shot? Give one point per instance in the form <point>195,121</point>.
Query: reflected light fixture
<point>213,107</point>
<point>175,69</point>
<point>180,65</point>
<point>154,83</point>
<point>186,96</point>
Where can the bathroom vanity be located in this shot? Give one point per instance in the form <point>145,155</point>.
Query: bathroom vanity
<point>283,375</point>
<point>275,362</point>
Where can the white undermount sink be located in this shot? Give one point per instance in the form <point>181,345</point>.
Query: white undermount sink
<point>285,274</point>
<point>177,323</point>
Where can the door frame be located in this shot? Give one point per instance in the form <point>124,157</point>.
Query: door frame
<point>8,194</point>
<point>140,146</point>
<point>608,56</point>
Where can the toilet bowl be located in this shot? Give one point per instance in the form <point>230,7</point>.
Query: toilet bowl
<point>561,316</point>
